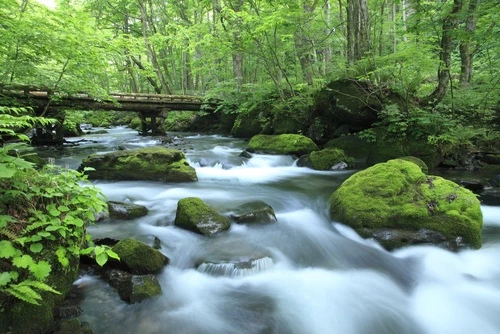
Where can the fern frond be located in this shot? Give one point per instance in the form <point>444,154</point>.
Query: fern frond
<point>8,233</point>
<point>34,226</point>
<point>39,286</point>
<point>24,293</point>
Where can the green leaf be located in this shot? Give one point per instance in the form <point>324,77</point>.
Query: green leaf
<point>41,270</point>
<point>6,171</point>
<point>7,250</point>
<point>63,208</point>
<point>101,259</point>
<point>112,254</point>
<point>36,248</point>
<point>5,278</point>
<point>54,212</point>
<point>23,261</point>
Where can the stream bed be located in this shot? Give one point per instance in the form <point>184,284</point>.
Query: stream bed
<point>311,275</point>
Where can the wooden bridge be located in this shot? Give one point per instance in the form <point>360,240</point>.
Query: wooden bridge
<point>152,106</point>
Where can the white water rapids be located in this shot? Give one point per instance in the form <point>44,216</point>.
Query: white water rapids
<point>310,275</point>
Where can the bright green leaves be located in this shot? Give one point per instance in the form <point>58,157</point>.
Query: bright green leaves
<point>101,254</point>
<point>7,250</point>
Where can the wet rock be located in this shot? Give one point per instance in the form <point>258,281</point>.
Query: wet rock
<point>257,212</point>
<point>495,181</point>
<point>156,164</point>
<point>132,288</point>
<point>397,195</point>
<point>122,210</point>
<point>474,186</point>
<point>246,154</point>
<point>195,215</point>
<point>392,239</point>
<point>138,288</point>
<point>291,144</point>
<point>490,196</point>
<point>139,258</point>
<point>72,326</point>
<point>326,159</point>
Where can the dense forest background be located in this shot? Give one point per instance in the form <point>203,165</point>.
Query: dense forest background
<point>440,57</point>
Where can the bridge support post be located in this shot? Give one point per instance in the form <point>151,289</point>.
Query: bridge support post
<point>156,123</point>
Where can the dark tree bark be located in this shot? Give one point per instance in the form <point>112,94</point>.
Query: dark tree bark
<point>450,24</point>
<point>467,50</point>
<point>358,27</point>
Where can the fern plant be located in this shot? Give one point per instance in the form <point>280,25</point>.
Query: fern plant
<point>42,214</point>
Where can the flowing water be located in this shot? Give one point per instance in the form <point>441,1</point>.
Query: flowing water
<point>303,274</point>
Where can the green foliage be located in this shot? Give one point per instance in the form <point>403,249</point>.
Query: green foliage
<point>41,213</point>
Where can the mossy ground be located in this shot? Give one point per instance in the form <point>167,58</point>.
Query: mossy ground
<point>397,194</point>
<point>292,144</point>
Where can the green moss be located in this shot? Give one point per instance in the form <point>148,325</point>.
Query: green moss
<point>282,144</point>
<point>325,159</point>
<point>419,162</point>
<point>139,258</point>
<point>140,287</point>
<point>122,210</point>
<point>397,194</point>
<point>155,163</point>
<point>195,215</point>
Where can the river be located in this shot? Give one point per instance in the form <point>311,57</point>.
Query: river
<point>314,276</point>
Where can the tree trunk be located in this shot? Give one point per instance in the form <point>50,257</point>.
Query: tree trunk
<point>152,55</point>
<point>237,54</point>
<point>358,37</point>
<point>450,24</point>
<point>466,51</point>
<point>304,44</point>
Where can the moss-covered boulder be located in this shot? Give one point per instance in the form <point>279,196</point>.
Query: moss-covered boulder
<point>136,288</point>
<point>156,164</point>
<point>195,215</point>
<point>398,195</point>
<point>256,212</point>
<point>139,258</point>
<point>122,210</point>
<point>292,144</point>
<point>326,159</point>
<point>419,162</point>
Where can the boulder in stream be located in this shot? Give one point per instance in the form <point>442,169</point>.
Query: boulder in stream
<point>195,215</point>
<point>155,164</point>
<point>139,258</point>
<point>256,212</point>
<point>326,159</point>
<point>292,144</point>
<point>398,196</point>
<point>122,210</point>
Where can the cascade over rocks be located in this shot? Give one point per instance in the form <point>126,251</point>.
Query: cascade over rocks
<point>195,215</point>
<point>155,164</point>
<point>292,144</point>
<point>398,205</point>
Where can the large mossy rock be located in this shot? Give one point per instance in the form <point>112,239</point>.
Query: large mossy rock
<point>195,215</point>
<point>156,164</point>
<point>292,144</point>
<point>381,150</point>
<point>326,159</point>
<point>138,258</point>
<point>397,195</point>
<point>344,103</point>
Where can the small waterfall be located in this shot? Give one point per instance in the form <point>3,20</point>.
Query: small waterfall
<point>236,269</point>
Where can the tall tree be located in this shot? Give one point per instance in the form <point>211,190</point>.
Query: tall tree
<point>450,24</point>
<point>358,30</point>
